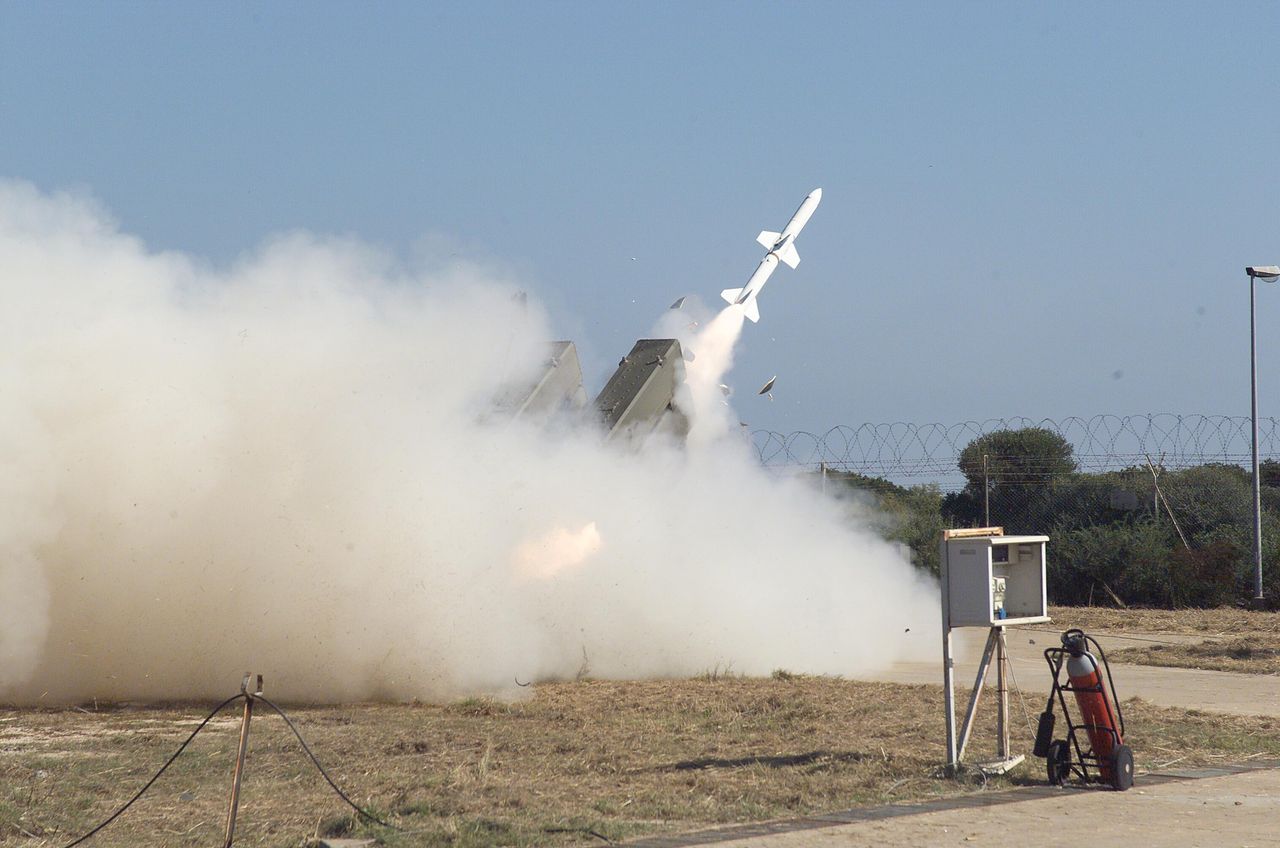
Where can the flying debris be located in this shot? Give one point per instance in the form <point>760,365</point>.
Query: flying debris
<point>767,388</point>
<point>679,303</point>
<point>725,390</point>
<point>781,247</point>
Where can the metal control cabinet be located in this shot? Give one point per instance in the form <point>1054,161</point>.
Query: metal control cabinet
<point>992,581</point>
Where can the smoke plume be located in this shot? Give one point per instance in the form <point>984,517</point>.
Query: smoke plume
<point>286,466</point>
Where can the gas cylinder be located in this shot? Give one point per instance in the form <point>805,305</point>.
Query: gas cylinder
<point>1091,695</point>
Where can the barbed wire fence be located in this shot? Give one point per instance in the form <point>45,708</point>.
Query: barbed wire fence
<point>1149,508</point>
<point>928,453</point>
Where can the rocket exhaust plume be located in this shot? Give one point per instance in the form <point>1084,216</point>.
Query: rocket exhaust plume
<point>710,417</point>
<point>278,465</point>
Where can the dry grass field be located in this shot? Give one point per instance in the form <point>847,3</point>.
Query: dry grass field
<point>1234,639</point>
<point>1220,621</point>
<point>1249,655</point>
<point>573,763</point>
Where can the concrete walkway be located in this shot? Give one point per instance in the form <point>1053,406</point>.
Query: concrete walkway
<point>1224,808</point>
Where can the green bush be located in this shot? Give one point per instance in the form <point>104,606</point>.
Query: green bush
<point>1111,538</point>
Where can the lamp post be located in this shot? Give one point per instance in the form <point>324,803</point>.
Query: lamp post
<point>1268,273</point>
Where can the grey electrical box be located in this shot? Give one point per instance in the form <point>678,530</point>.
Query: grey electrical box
<point>994,580</point>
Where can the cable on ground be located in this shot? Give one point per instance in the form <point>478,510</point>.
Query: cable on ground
<point>360,810</point>
<point>586,830</point>
<point>163,768</point>
<point>363,812</point>
<point>1013,676</point>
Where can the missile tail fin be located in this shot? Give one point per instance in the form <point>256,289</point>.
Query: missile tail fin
<point>767,239</point>
<point>731,295</point>
<point>789,255</point>
<point>753,311</point>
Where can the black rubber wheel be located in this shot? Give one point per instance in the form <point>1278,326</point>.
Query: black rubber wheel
<point>1058,763</point>
<point>1121,768</point>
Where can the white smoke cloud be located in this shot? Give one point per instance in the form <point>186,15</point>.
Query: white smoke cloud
<point>280,467</point>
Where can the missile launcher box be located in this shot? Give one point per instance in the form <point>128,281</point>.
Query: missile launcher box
<point>639,398</point>
<point>556,387</point>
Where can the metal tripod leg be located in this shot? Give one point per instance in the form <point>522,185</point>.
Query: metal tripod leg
<point>977,692</point>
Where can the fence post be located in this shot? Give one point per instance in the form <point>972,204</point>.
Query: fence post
<point>986,494</point>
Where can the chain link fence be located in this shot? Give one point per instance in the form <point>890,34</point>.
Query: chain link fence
<point>1150,510</point>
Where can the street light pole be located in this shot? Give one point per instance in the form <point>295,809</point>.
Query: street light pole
<point>1268,273</point>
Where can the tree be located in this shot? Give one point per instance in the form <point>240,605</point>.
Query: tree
<point>1028,455</point>
<point>1021,469</point>
<point>1269,473</point>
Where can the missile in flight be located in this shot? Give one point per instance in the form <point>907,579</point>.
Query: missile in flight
<point>782,248</point>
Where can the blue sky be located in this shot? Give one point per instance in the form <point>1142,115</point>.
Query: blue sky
<point>1037,210</point>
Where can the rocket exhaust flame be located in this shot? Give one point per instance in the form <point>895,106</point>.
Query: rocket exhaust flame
<point>555,552</point>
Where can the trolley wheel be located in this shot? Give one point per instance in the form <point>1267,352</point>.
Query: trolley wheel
<point>1058,762</point>
<point>1122,767</point>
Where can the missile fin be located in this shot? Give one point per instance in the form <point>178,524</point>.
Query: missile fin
<point>789,255</point>
<point>753,311</point>
<point>731,295</point>
<point>767,239</point>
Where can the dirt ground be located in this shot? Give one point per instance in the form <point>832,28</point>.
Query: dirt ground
<point>573,763</point>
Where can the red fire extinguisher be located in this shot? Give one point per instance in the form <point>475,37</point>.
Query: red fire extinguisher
<point>1106,758</point>
<point>1091,697</point>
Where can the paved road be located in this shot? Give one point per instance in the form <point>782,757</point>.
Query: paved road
<point>1217,691</point>
<point>1231,811</point>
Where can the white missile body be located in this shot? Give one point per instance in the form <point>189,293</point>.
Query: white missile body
<point>781,247</point>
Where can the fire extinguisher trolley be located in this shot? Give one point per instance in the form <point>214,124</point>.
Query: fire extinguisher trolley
<point>1094,749</point>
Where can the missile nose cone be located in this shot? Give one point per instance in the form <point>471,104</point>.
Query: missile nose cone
<point>816,194</point>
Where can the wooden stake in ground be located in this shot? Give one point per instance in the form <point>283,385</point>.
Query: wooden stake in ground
<point>249,698</point>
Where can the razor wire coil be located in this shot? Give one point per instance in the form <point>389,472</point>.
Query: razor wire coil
<point>1100,443</point>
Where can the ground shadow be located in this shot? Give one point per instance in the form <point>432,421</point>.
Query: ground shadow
<point>778,761</point>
